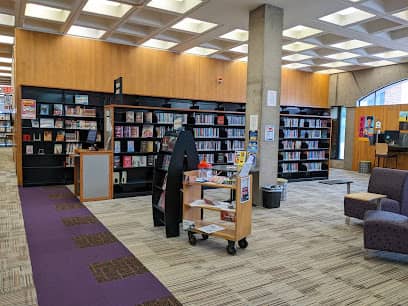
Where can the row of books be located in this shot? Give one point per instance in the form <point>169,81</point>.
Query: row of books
<point>235,120</point>
<point>139,117</point>
<point>313,134</point>
<point>235,132</point>
<point>289,167</point>
<point>133,161</point>
<point>133,131</point>
<point>5,142</point>
<point>69,161</point>
<point>58,149</point>
<point>5,116</point>
<point>237,145</point>
<point>48,123</point>
<point>312,166</point>
<point>315,154</point>
<point>208,145</point>
<point>71,147</point>
<point>217,158</point>
<point>58,110</point>
<point>206,132</point>
<point>290,134</point>
<point>287,156</point>
<point>311,123</point>
<point>165,117</point>
<point>291,144</point>
<point>81,124</point>
<point>6,129</point>
<point>205,119</point>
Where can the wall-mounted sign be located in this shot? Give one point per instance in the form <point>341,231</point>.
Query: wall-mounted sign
<point>272,97</point>
<point>378,125</point>
<point>253,122</point>
<point>269,133</point>
<point>28,109</point>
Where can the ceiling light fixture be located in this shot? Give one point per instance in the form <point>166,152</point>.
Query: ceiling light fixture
<point>159,44</point>
<point>298,46</point>
<point>351,44</point>
<point>5,74</point>
<point>295,66</point>
<point>347,16</point>
<point>296,57</point>
<point>342,56</point>
<point>336,64</point>
<point>5,39</point>
<point>201,51</point>
<point>300,32</point>
<point>7,20</point>
<point>46,12</point>
<point>193,25</point>
<point>7,60</point>
<point>240,49</point>
<point>330,71</point>
<point>85,32</point>
<point>237,35</point>
<point>105,7</point>
<point>391,54</point>
<point>178,6</point>
<point>5,68</point>
<point>379,63</point>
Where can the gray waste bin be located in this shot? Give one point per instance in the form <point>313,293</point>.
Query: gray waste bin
<point>271,196</point>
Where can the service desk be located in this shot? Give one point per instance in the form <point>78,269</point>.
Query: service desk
<point>93,175</point>
<point>398,148</point>
<point>402,151</point>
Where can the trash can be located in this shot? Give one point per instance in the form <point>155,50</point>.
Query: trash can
<point>284,185</point>
<point>271,196</point>
<point>365,166</point>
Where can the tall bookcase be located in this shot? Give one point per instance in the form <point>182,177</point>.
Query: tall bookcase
<point>60,126</point>
<point>217,133</point>
<point>6,120</point>
<point>304,143</point>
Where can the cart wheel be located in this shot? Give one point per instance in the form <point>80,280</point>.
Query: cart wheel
<point>191,238</point>
<point>204,236</point>
<point>243,243</point>
<point>231,248</point>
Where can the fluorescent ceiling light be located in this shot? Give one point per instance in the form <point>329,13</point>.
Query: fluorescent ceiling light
<point>7,60</point>
<point>351,44</point>
<point>5,39</point>
<point>105,7</point>
<point>298,46</point>
<point>193,25</point>
<point>295,66</point>
<point>4,68</point>
<point>336,64</point>
<point>174,5</point>
<point>5,74</point>
<point>330,71</point>
<point>300,32</point>
<point>243,59</point>
<point>391,54</point>
<point>237,35</point>
<point>347,16</point>
<point>7,20</point>
<point>201,51</point>
<point>240,49</point>
<point>402,15</point>
<point>46,12</point>
<point>85,32</point>
<point>159,44</point>
<point>342,56</point>
<point>296,57</point>
<point>379,63</point>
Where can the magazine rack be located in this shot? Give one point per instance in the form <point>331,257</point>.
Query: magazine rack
<point>237,229</point>
<point>173,159</point>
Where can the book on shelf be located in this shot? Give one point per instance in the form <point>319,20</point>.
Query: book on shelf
<point>116,162</point>
<point>148,117</point>
<point>116,178</point>
<point>220,120</point>
<point>126,131</point>
<point>26,137</point>
<point>228,216</point>
<point>127,161</point>
<point>58,148</point>
<point>44,109</point>
<point>168,143</point>
<point>119,131</point>
<point>28,109</point>
<point>123,177</point>
<point>134,132</point>
<point>47,123</point>
<point>139,161</point>
<point>35,123</point>
<point>130,117</point>
<point>60,136</point>
<point>139,117</point>
<point>47,135</point>
<point>72,136</point>
<point>147,131</point>
<point>166,162</point>
<point>59,123</point>
<point>29,149</point>
<point>117,146</point>
<point>179,120</point>
<point>58,110</point>
<point>150,160</point>
<point>36,136</point>
<point>131,146</point>
<point>146,146</point>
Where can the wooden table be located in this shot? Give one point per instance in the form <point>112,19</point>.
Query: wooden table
<point>367,197</point>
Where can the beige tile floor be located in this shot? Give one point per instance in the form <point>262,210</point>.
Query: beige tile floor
<point>300,254</point>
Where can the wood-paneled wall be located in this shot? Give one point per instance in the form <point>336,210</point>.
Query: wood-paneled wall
<point>388,115</point>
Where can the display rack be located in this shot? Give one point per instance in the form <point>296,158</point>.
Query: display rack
<point>304,143</point>
<point>237,229</point>
<point>6,120</point>
<point>177,154</point>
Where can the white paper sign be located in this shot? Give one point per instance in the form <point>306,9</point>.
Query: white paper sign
<point>378,125</point>
<point>253,122</point>
<point>271,98</point>
<point>269,133</point>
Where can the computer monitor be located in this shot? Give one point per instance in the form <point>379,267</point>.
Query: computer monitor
<point>91,139</point>
<point>391,136</point>
<point>381,138</point>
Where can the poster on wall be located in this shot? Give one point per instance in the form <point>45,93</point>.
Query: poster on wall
<point>28,109</point>
<point>244,190</point>
<point>366,127</point>
<point>403,121</point>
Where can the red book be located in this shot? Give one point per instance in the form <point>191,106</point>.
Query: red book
<point>127,161</point>
<point>220,120</point>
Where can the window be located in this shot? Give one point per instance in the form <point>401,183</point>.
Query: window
<point>338,115</point>
<point>396,93</point>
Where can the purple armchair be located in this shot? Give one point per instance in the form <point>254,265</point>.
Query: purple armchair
<point>391,182</point>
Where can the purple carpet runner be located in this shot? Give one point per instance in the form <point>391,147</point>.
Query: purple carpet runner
<point>77,261</point>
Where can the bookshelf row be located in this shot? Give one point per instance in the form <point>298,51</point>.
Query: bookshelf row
<point>6,129</point>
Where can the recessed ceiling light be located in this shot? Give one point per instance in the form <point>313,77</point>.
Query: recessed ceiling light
<point>4,68</point>
<point>243,59</point>
<point>5,39</point>
<point>105,7</point>
<point>159,44</point>
<point>237,35</point>
<point>46,12</point>
<point>351,44</point>
<point>295,66</point>
<point>330,71</point>
<point>391,54</point>
<point>379,63</point>
<point>298,46</point>
<point>342,55</point>
<point>5,74</point>
<point>402,15</point>
<point>201,51</point>
<point>174,5</point>
<point>7,19</point>
<point>7,60</point>
<point>85,32</point>
<point>355,0</point>
<point>296,57</point>
<point>300,32</point>
<point>240,49</point>
<point>347,16</point>
<point>336,64</point>
<point>194,25</point>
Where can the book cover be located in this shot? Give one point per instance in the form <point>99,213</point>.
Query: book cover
<point>58,110</point>
<point>139,117</point>
<point>60,136</point>
<point>116,178</point>
<point>28,109</point>
<point>119,131</point>
<point>36,136</point>
<point>35,123</point>
<point>58,148</point>
<point>117,147</point>
<point>131,146</point>
<point>123,177</point>
<point>127,161</point>
<point>116,162</point>
<point>146,146</point>
<point>134,131</point>
<point>150,160</point>
<point>44,109</point>
<point>228,216</point>
<point>147,131</point>
<point>220,120</point>
<point>130,116</point>
<point>148,117</point>
<point>29,149</point>
<point>178,121</point>
<point>26,137</point>
<point>126,131</point>
<point>47,135</point>
<point>59,124</point>
<point>46,123</point>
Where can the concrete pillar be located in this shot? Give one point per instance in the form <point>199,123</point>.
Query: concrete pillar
<point>264,75</point>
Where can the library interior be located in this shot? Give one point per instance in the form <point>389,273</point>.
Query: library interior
<point>203,152</point>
